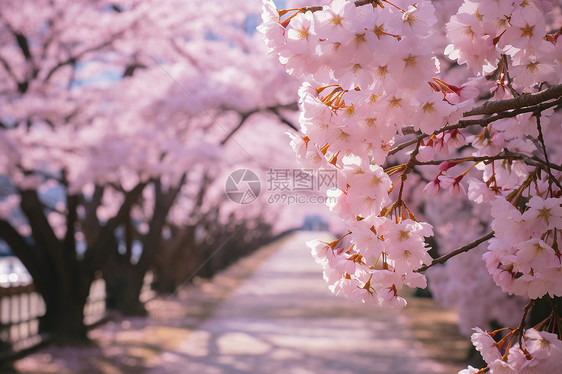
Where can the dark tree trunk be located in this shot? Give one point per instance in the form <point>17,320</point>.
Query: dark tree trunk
<point>131,302</point>
<point>64,317</point>
<point>123,290</point>
<point>60,276</point>
<point>64,294</point>
<point>180,257</point>
<point>177,261</point>
<point>120,280</point>
<point>183,257</point>
<point>124,287</point>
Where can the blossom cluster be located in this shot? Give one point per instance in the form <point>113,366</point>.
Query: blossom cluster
<point>379,259</point>
<point>463,282</point>
<point>372,77</point>
<point>352,106</point>
<point>523,256</point>
<point>482,32</point>
<point>536,352</point>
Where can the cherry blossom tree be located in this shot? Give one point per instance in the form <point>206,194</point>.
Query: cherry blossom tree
<point>207,113</point>
<point>465,97</point>
<point>47,59</point>
<point>106,108</point>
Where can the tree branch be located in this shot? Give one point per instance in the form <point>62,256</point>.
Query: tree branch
<point>543,146</point>
<point>275,111</point>
<point>90,224</point>
<point>23,44</point>
<point>131,68</point>
<point>74,59</point>
<point>41,229</point>
<point>8,69</point>
<point>19,246</point>
<point>480,122</point>
<point>97,251</point>
<point>466,248</point>
<point>243,119</point>
<point>69,242</point>
<point>506,155</point>
<point>524,100</point>
<point>357,3</point>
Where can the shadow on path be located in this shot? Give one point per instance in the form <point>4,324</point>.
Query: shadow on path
<point>267,314</point>
<point>283,319</point>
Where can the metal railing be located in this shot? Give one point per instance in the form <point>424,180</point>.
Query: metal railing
<point>21,307</point>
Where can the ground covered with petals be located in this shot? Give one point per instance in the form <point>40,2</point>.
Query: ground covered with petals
<point>259,315</point>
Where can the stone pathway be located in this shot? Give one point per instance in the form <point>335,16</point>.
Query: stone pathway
<point>269,313</point>
<point>283,319</point>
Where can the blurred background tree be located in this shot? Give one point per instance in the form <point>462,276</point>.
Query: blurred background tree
<point>119,121</point>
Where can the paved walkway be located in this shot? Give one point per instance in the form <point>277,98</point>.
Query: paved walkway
<point>283,319</point>
<point>270,313</point>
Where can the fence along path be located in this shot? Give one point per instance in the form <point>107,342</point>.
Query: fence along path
<point>21,307</point>
<point>284,320</point>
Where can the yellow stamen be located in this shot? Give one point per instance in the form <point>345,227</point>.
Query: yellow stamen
<point>527,31</point>
<point>336,20</point>
<point>428,107</point>
<point>395,102</point>
<point>410,61</point>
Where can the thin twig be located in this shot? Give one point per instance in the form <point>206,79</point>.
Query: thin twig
<point>506,155</point>
<point>243,118</point>
<point>506,73</point>
<point>281,118</point>
<point>466,248</point>
<point>357,3</point>
<point>543,146</point>
<point>521,328</point>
